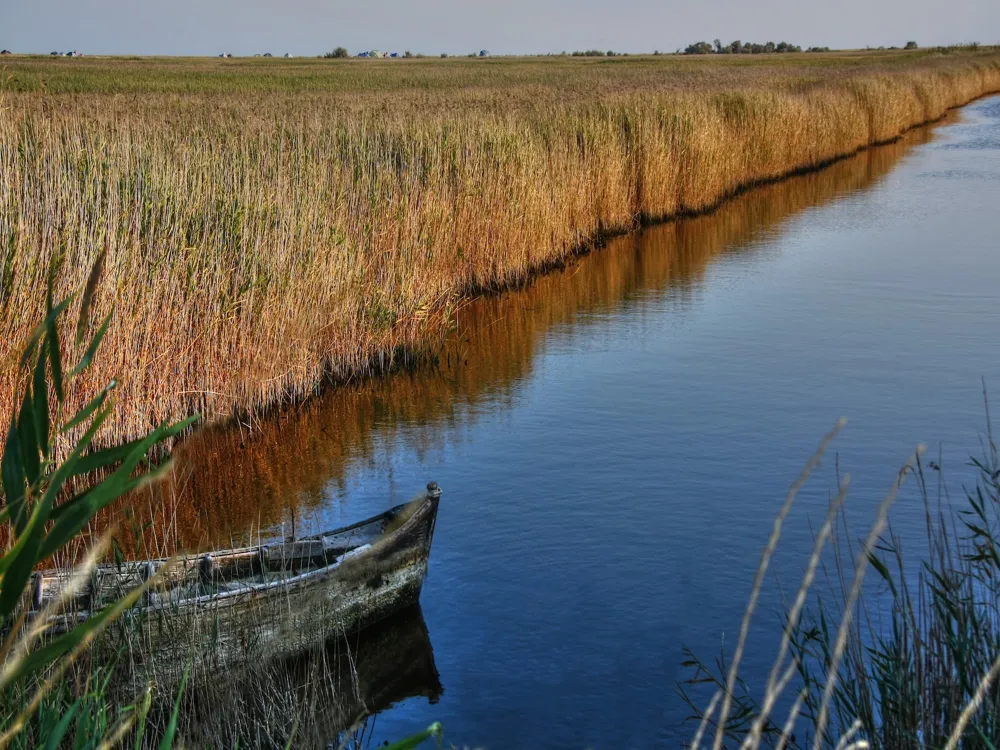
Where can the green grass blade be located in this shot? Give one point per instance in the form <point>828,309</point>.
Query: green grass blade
<point>140,730</point>
<point>120,481</point>
<point>55,358</point>
<point>19,562</point>
<point>67,505</point>
<point>12,476</point>
<point>883,571</point>
<point>108,457</point>
<point>167,741</point>
<point>72,519</point>
<point>434,730</point>
<point>88,296</point>
<point>42,329</point>
<point>985,740</point>
<point>95,342</point>
<point>55,738</point>
<point>29,442</point>
<point>22,540</point>
<point>81,416</point>
<point>291,735</point>
<point>40,406</point>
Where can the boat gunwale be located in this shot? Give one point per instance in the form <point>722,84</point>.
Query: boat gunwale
<point>225,554</point>
<point>268,588</point>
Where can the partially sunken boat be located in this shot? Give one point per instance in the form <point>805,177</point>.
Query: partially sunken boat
<point>260,602</point>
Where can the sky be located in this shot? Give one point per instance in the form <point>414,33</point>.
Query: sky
<point>310,27</point>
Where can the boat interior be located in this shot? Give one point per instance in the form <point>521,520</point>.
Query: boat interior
<point>188,577</point>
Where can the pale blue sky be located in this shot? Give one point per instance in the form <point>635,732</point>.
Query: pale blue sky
<point>309,27</point>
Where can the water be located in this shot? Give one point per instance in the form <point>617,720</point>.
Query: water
<point>614,440</point>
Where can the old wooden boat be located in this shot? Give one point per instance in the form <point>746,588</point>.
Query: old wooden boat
<point>259,602</point>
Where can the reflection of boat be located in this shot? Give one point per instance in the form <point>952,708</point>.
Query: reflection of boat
<point>393,660</point>
<point>322,692</point>
<point>266,601</point>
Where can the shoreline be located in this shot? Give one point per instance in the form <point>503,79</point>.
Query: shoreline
<point>407,358</point>
<point>246,334</point>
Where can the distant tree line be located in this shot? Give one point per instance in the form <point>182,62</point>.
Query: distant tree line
<point>716,47</point>
<point>598,53</point>
<point>738,47</point>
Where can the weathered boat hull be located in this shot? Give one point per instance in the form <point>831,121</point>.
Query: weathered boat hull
<point>382,573</point>
<point>297,614</point>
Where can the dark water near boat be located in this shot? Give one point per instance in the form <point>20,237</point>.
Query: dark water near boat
<point>614,440</point>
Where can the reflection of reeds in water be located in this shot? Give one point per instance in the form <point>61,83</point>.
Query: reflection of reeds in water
<point>231,481</point>
<point>318,695</point>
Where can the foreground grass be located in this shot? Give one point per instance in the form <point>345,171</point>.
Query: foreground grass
<point>911,663</point>
<point>268,224</point>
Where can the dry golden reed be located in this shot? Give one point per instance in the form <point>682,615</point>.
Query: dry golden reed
<point>271,224</point>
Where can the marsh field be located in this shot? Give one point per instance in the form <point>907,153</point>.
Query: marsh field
<point>271,224</point>
<point>614,440</point>
<point>612,435</point>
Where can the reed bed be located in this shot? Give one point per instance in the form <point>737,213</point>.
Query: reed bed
<point>229,483</point>
<point>269,225</point>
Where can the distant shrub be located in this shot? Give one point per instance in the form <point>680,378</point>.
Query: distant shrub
<point>589,53</point>
<point>818,49</point>
<point>911,45</point>
<point>337,53</point>
<point>444,54</point>
<point>698,48</point>
<point>407,54</point>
